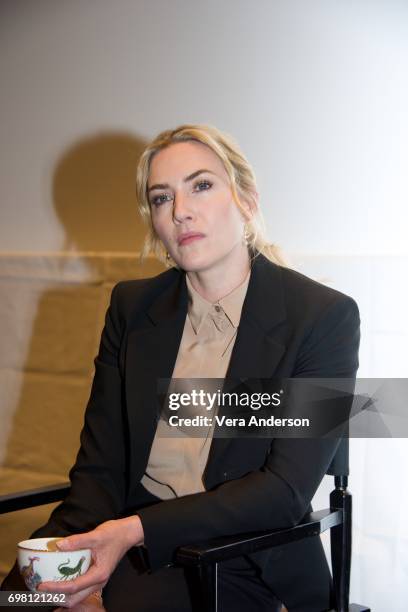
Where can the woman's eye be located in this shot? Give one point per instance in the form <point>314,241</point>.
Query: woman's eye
<point>202,185</point>
<point>160,199</point>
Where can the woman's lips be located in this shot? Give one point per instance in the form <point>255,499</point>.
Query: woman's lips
<point>188,239</point>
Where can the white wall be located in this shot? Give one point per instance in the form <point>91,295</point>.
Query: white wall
<point>316,93</point>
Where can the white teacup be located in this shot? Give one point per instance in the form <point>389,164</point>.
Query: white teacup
<point>40,560</point>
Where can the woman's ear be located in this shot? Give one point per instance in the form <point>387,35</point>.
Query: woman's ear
<point>250,203</point>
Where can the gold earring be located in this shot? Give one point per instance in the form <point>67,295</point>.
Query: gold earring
<point>246,236</point>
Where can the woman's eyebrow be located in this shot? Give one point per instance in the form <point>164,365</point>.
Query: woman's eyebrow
<point>188,178</point>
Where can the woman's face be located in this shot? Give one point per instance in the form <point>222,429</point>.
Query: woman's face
<point>193,211</point>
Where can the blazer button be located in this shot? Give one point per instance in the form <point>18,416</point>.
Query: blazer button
<point>225,474</point>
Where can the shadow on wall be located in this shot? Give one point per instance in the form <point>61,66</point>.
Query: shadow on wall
<point>94,194</point>
<point>56,307</point>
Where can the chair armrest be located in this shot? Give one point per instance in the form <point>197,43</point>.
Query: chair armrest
<point>220,549</point>
<point>33,497</point>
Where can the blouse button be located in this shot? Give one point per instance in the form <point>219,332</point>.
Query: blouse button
<point>217,308</point>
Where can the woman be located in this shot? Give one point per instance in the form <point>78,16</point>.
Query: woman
<point>227,306</point>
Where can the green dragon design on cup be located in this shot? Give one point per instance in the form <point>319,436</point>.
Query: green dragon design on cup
<point>67,573</point>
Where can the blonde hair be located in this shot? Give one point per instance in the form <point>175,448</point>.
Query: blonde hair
<point>242,179</point>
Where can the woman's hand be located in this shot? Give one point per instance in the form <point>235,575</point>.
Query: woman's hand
<point>108,542</point>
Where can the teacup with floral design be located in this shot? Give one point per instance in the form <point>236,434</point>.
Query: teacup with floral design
<point>39,560</point>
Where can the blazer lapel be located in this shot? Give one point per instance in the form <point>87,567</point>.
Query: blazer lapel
<point>151,354</point>
<point>257,351</point>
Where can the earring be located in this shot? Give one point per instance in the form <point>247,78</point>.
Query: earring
<point>246,236</point>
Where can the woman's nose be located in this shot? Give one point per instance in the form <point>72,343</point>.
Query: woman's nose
<point>181,208</point>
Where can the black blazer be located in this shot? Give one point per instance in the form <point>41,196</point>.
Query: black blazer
<point>291,326</point>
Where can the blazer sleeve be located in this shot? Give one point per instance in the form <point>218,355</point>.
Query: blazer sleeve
<point>279,493</point>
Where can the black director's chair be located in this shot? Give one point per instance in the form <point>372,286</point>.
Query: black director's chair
<point>201,559</point>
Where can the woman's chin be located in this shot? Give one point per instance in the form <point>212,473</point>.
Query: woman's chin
<point>193,262</point>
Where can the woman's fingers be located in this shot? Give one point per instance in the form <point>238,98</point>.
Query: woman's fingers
<point>93,579</point>
<point>108,543</point>
<point>77,541</point>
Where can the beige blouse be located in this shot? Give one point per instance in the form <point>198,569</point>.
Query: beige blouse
<point>177,462</point>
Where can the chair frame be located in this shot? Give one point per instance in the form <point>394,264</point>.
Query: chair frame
<point>201,560</point>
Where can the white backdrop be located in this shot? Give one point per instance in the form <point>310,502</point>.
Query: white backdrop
<point>317,95</point>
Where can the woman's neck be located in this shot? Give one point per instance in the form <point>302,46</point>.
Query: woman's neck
<point>219,280</point>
